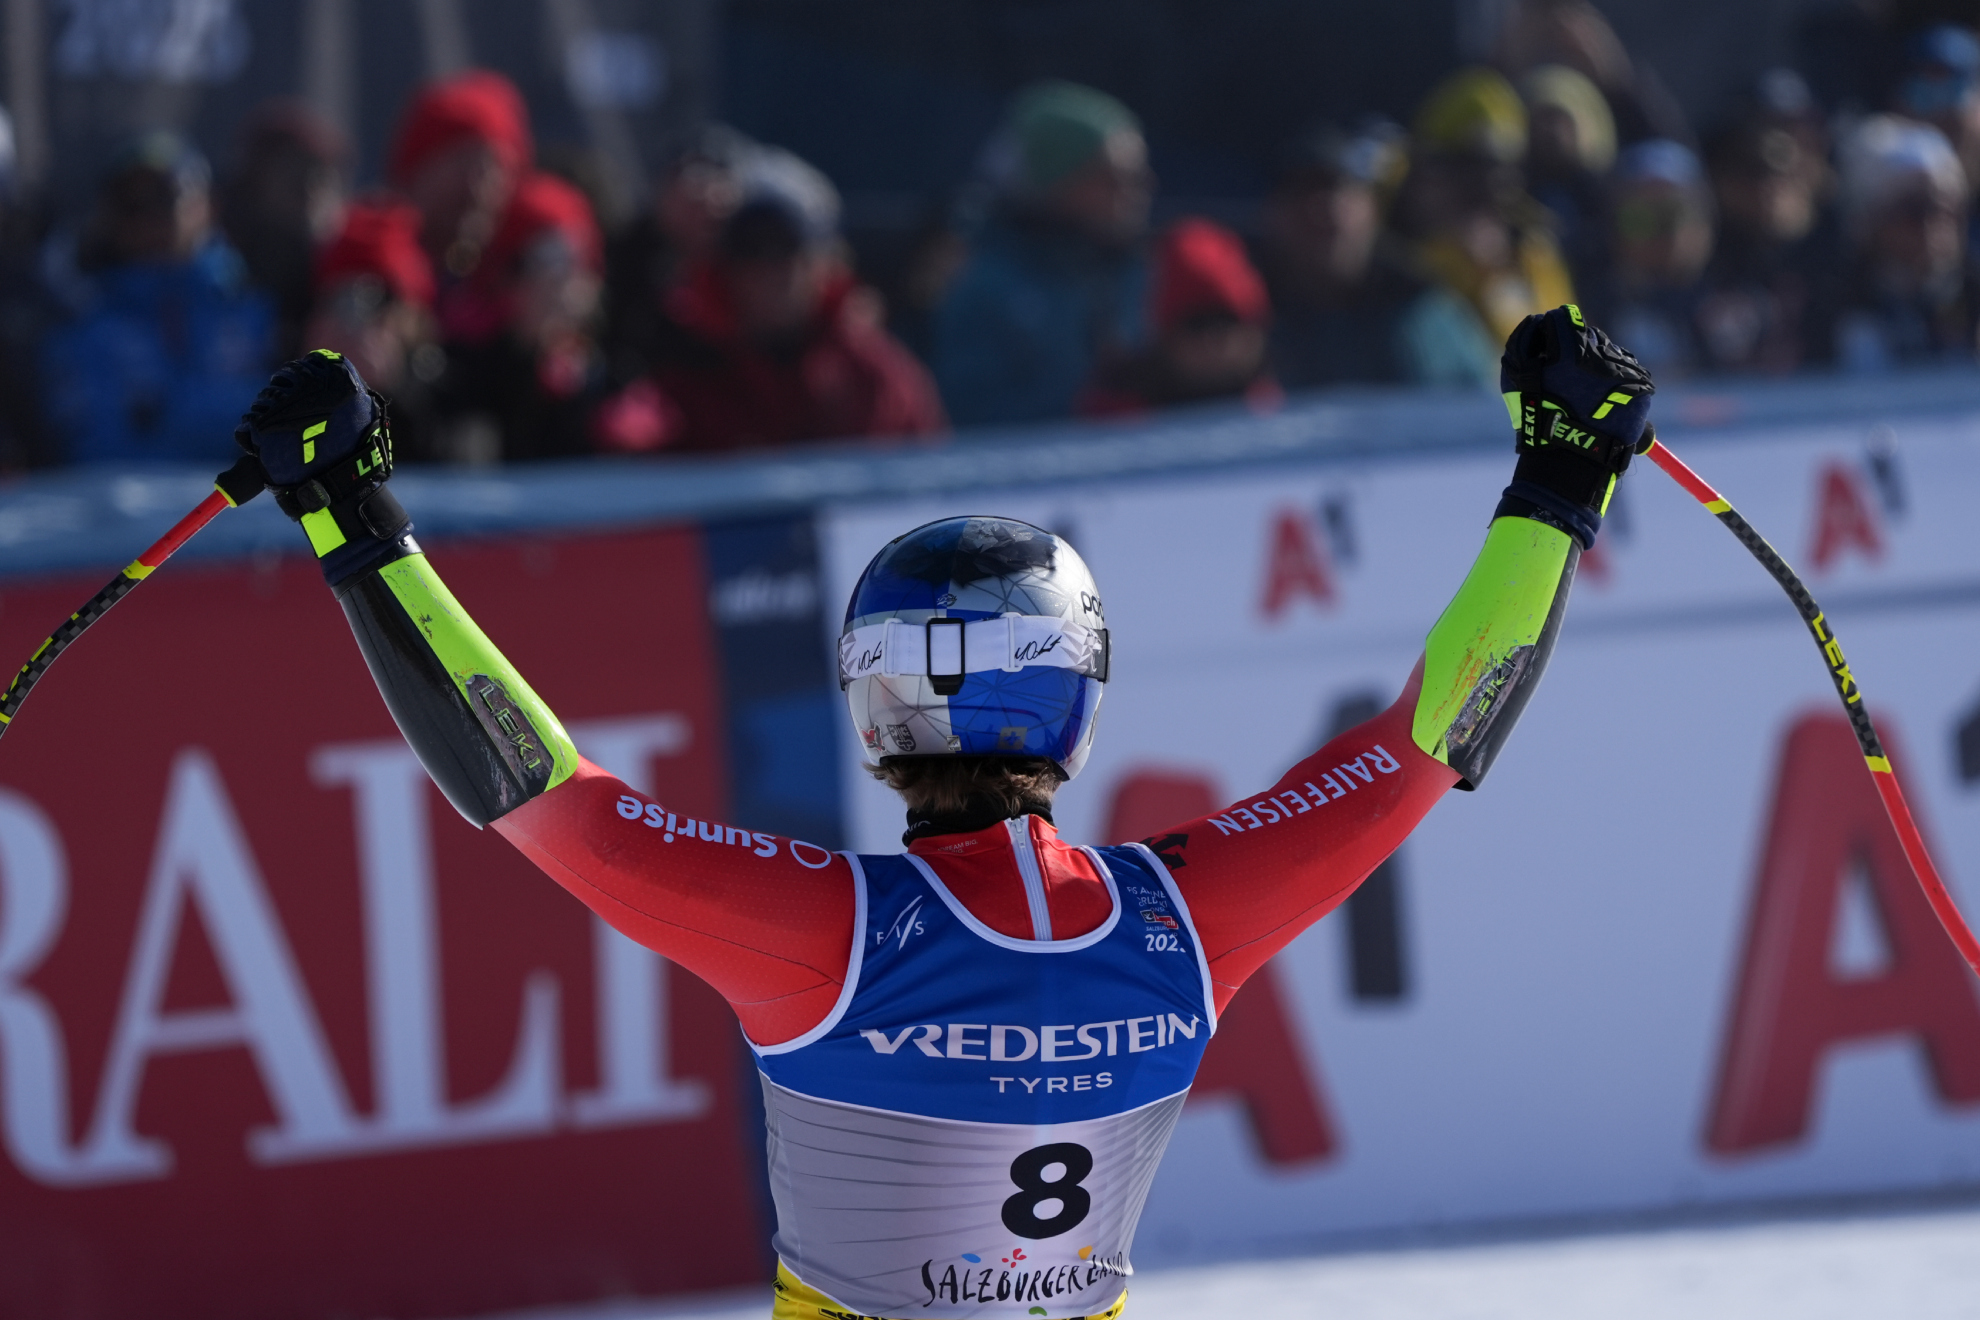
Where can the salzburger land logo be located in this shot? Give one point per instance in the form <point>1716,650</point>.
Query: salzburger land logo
<point>1016,1278</point>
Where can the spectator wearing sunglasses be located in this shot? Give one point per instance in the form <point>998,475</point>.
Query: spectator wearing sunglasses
<point>1940,85</point>
<point>1571,148</point>
<point>1907,296</point>
<point>1210,316</point>
<point>1055,283</point>
<point>1777,243</point>
<point>1340,287</point>
<point>1472,232</point>
<point>1661,236</point>
<point>774,340</point>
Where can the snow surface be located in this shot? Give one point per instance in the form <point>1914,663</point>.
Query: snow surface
<point>1916,1265</point>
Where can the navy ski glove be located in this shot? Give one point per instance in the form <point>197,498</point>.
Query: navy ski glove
<point>326,443</point>
<point>1580,407</point>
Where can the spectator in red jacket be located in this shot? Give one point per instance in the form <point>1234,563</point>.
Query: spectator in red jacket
<point>462,147</point>
<point>1210,314</point>
<point>524,371</point>
<point>374,304</point>
<point>374,292</point>
<point>774,341</point>
<point>518,261</point>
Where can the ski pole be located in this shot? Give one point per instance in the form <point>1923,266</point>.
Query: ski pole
<point>236,486</point>
<point>1874,756</point>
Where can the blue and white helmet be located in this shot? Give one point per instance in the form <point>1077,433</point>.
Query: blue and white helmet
<point>975,637</point>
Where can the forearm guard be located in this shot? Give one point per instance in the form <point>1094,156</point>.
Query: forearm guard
<point>487,740</point>
<point>1489,648</point>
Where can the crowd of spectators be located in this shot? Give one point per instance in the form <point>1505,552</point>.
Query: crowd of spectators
<point>1830,226</point>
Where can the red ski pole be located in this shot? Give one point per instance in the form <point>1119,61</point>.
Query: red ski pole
<point>1881,773</point>
<point>236,486</point>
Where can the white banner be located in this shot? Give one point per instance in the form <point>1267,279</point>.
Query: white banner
<point>1581,1029</point>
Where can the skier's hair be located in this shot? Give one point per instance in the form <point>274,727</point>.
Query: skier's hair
<point>949,785</point>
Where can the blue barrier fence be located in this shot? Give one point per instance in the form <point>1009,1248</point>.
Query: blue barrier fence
<point>87,518</point>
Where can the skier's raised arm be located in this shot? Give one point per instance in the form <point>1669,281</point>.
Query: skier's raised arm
<point>1262,871</point>
<point>487,740</point>
<point>765,921</point>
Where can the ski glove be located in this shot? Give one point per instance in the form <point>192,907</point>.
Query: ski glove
<point>325,441</point>
<point>1580,408</point>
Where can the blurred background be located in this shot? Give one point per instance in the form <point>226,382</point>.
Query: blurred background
<point>684,308</point>
<point>599,226</point>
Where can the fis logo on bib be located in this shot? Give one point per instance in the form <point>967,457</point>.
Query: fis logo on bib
<point>903,927</point>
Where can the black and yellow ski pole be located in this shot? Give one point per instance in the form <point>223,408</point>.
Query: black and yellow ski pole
<point>1881,773</point>
<point>232,488</point>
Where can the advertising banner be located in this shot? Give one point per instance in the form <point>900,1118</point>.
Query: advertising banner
<point>1669,954</point>
<point>280,1034</point>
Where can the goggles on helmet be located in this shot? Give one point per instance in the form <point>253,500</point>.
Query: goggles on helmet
<point>948,650</point>
<point>975,637</point>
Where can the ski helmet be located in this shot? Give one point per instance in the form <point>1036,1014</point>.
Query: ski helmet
<point>975,637</point>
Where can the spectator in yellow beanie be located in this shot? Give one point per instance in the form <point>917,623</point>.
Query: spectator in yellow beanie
<point>1570,149</point>
<point>1474,232</point>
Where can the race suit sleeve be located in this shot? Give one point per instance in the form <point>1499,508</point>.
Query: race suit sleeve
<point>1258,873</point>
<point>766,921</point>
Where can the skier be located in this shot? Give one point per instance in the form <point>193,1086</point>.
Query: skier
<point>973,1053</point>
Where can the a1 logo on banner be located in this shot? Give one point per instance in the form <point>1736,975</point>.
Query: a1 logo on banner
<point>1297,570</point>
<point>1828,841</point>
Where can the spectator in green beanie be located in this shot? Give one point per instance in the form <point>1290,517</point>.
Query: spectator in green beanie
<point>1056,281</point>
